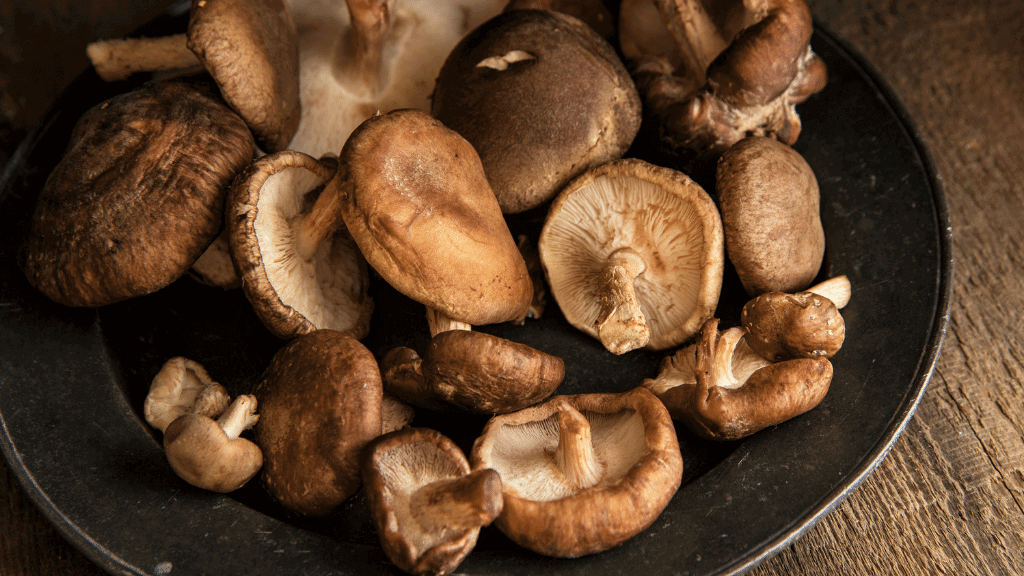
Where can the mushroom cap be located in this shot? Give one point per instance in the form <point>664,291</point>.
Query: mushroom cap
<point>398,464</point>
<point>722,390</point>
<point>657,212</point>
<point>593,13</point>
<point>803,325</point>
<point>251,49</point>
<point>203,454</point>
<point>183,386</point>
<point>769,202</point>
<point>633,437</point>
<point>320,401</point>
<point>137,197</point>
<point>542,97</point>
<point>291,295</point>
<point>416,201</point>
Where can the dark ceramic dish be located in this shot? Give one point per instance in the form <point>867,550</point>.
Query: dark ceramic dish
<point>72,381</point>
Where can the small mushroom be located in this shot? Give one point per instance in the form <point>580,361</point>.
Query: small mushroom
<point>472,371</point>
<point>137,197</point>
<point>427,506</point>
<point>249,47</point>
<point>415,199</point>
<point>713,73</point>
<point>215,266</point>
<point>803,325</point>
<point>320,401</point>
<point>183,386</point>
<point>300,268</point>
<point>769,201</point>
<point>542,97</point>
<point>581,474</point>
<point>634,255</point>
<point>722,390</point>
<point>209,453</point>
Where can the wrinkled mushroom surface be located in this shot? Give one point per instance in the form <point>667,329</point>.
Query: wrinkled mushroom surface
<point>183,386</point>
<point>634,255</point>
<point>427,506</point>
<point>301,270</point>
<point>803,325</point>
<point>137,196</point>
<point>582,473</point>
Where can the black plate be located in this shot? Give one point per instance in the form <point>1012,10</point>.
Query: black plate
<point>72,381</point>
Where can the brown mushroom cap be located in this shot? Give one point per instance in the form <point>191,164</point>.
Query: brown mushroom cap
<point>137,197</point>
<point>426,504</point>
<point>803,325</point>
<point>723,390</point>
<point>584,473</point>
<point>301,270</point>
<point>416,201</point>
<point>542,97</point>
<point>183,386</point>
<point>320,401</point>
<point>632,249</point>
<point>769,201</point>
<point>593,13</point>
<point>472,371</point>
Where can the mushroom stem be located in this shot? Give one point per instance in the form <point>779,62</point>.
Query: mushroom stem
<point>696,34</point>
<point>118,59</point>
<point>575,456</point>
<point>439,322</point>
<point>621,325</point>
<point>322,220</point>
<point>239,417</point>
<point>458,504</point>
<point>361,65</point>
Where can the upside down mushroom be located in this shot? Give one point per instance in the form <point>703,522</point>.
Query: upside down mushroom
<point>183,386</point>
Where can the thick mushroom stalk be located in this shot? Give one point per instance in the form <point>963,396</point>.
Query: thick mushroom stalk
<point>362,59</point>
<point>575,456</point>
<point>319,224</point>
<point>457,504</point>
<point>621,325</point>
<point>116,59</point>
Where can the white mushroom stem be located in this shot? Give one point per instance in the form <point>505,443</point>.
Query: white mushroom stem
<point>836,289</point>
<point>322,220</point>
<point>458,504</point>
<point>118,59</point>
<point>696,34</point>
<point>621,325</point>
<point>575,456</point>
<point>438,322</point>
<point>361,64</point>
<point>239,417</point>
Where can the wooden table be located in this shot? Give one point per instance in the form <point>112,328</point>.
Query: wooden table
<point>949,498</point>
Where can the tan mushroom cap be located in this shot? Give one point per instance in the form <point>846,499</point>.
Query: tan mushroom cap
<point>415,199</point>
<point>781,326</point>
<point>320,401</point>
<point>723,390</point>
<point>428,507</point>
<point>582,473</point>
<point>542,97</point>
<point>300,272</point>
<point>183,386</point>
<point>137,196</point>
<point>634,255</point>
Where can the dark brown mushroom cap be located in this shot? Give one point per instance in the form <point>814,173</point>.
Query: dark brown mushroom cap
<point>593,13</point>
<point>416,201</point>
<point>638,470</point>
<point>473,371</point>
<point>426,504</point>
<point>770,206</point>
<point>803,325</point>
<point>542,97</point>
<point>320,401</point>
<point>720,402</point>
<point>251,49</point>
<point>291,294</point>
<point>137,197</point>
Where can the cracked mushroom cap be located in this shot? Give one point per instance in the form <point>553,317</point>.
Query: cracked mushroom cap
<point>583,473</point>
<point>723,390</point>
<point>427,506</point>
<point>320,401</point>
<point>472,371</point>
<point>137,197</point>
<point>415,199</point>
<point>542,97</point>
<point>634,255</point>
<point>301,270</point>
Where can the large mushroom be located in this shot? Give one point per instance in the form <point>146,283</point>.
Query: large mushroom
<point>427,506</point>
<point>414,196</point>
<point>542,97</point>
<point>320,401</point>
<point>249,47</point>
<point>634,255</point>
<point>137,197</point>
<point>723,390</point>
<point>581,474</point>
<point>300,268</point>
<point>715,72</point>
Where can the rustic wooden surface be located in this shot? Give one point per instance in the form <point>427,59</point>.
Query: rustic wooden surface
<point>949,499</point>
